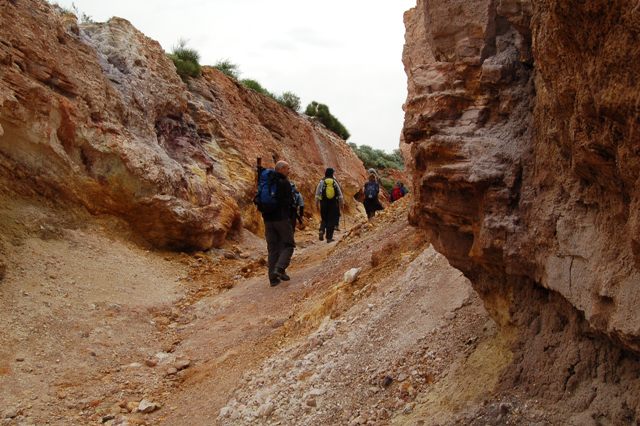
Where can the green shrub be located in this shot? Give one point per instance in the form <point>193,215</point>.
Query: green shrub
<point>290,100</point>
<point>322,113</point>
<point>186,60</point>
<point>377,158</point>
<point>256,87</point>
<point>229,68</point>
<point>287,99</point>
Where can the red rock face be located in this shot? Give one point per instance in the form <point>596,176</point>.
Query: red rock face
<point>523,124</point>
<point>97,115</point>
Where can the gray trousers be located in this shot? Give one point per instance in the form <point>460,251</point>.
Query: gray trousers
<point>280,244</point>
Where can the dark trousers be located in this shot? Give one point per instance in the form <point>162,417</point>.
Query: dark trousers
<point>372,205</point>
<point>330,215</point>
<point>280,244</point>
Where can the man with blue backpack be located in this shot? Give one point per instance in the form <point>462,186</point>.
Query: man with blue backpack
<point>371,191</point>
<point>275,201</point>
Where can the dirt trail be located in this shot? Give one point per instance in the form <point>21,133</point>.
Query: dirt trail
<point>96,323</point>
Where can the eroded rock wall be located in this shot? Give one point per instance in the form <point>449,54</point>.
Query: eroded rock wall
<point>468,124</point>
<point>96,114</point>
<point>522,122</point>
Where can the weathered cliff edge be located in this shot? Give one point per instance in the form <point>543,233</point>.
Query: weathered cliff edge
<point>522,122</point>
<point>96,114</point>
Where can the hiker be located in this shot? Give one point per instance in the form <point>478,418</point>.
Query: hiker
<point>275,201</point>
<point>374,172</point>
<point>371,191</point>
<point>297,213</point>
<point>398,191</point>
<point>329,200</point>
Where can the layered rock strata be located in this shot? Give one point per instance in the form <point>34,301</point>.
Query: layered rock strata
<point>96,114</point>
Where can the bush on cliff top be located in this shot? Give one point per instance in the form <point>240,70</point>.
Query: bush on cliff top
<point>290,100</point>
<point>256,87</point>
<point>228,68</point>
<point>377,158</point>
<point>186,60</point>
<point>287,99</point>
<point>322,113</point>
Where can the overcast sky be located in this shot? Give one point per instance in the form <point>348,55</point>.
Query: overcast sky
<point>344,53</point>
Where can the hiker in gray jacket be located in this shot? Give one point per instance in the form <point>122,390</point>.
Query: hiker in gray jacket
<point>297,213</point>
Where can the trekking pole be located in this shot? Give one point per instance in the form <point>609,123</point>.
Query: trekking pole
<point>258,169</point>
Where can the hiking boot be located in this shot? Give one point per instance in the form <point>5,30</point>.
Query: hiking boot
<point>274,281</point>
<point>321,235</point>
<point>282,274</point>
<point>330,240</point>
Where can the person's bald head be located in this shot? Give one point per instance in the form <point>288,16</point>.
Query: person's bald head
<point>282,167</point>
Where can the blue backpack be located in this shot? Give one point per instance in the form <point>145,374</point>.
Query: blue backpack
<point>266,198</point>
<point>371,190</point>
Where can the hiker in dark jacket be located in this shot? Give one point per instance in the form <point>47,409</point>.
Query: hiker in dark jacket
<point>277,227</point>
<point>371,191</point>
<point>329,199</point>
<point>297,212</point>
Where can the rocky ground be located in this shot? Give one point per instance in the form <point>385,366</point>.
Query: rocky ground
<point>100,329</point>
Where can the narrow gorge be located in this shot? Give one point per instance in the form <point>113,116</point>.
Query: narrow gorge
<point>500,291</point>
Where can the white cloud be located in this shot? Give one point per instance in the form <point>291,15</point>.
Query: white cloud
<point>346,54</point>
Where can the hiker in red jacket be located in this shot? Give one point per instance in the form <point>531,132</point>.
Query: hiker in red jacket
<point>398,191</point>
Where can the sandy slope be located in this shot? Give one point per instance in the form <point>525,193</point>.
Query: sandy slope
<point>94,323</point>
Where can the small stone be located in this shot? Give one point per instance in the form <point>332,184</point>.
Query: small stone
<point>131,406</point>
<point>278,323</point>
<point>402,377</point>
<point>311,402</point>
<point>449,316</point>
<point>134,365</point>
<point>352,275</point>
<point>230,255</point>
<point>151,362</point>
<point>266,410</point>
<point>181,364</point>
<point>147,406</point>
<point>171,371</point>
<point>107,418</point>
<point>20,359</point>
<point>12,413</point>
<point>386,381</point>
